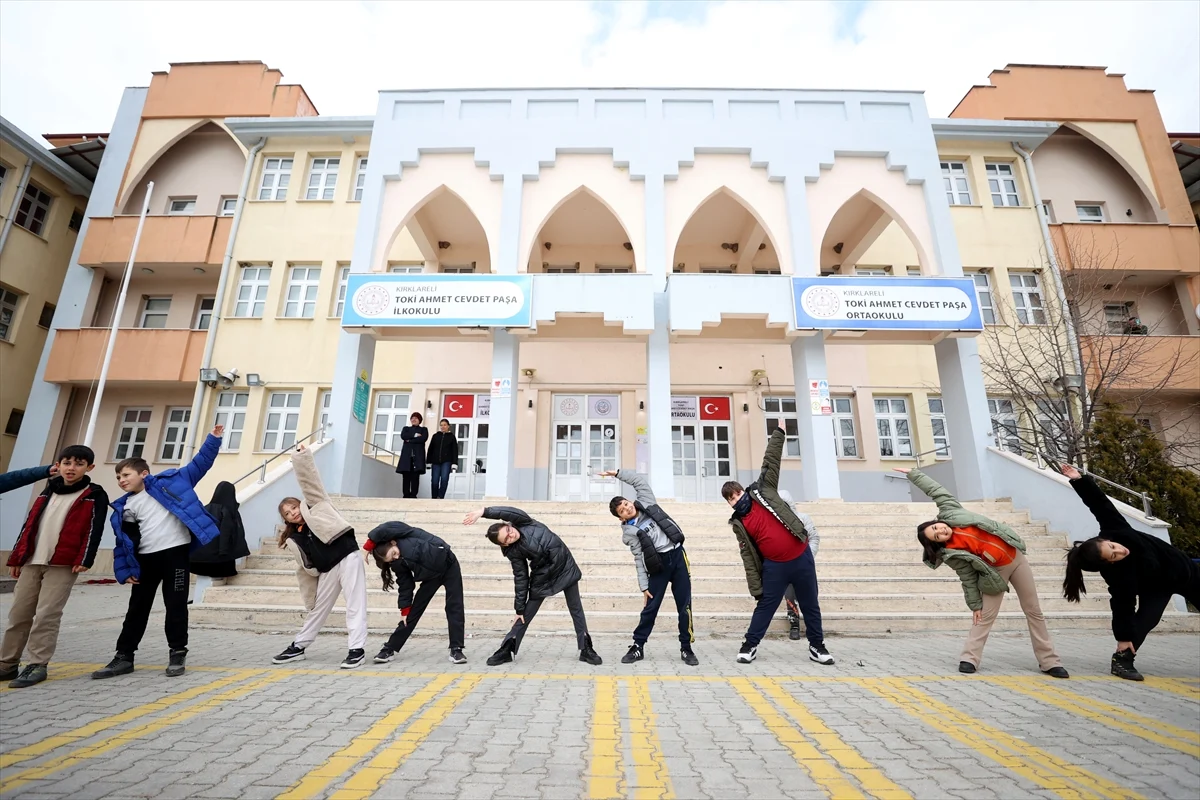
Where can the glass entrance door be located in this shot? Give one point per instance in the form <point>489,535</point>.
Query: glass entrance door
<point>587,442</point>
<point>717,466</point>
<point>685,462</point>
<point>702,457</point>
<point>469,417</point>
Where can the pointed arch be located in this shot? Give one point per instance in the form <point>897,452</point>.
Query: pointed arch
<point>748,237</point>
<point>857,223</point>
<point>1147,192</point>
<point>135,181</point>
<point>443,200</point>
<point>582,190</point>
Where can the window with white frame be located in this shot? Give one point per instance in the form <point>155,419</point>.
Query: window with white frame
<point>34,209</point>
<point>252,292</point>
<point>767,271</point>
<point>895,430</point>
<point>391,415</point>
<point>729,270</point>
<point>9,302</point>
<point>322,178</point>
<point>1002,184</point>
<point>954,179</point>
<point>1004,424</point>
<point>983,294</point>
<point>282,422</point>
<point>231,412</point>
<point>913,272</point>
<point>181,206</point>
<point>461,269</point>
<point>565,269</point>
<point>131,435</point>
<point>227,207</point>
<point>871,272</point>
<point>406,269</point>
<point>301,298</point>
<point>1047,207</point>
<point>204,312</point>
<point>611,270</point>
<point>339,300</point>
<point>781,413</point>
<point>843,428</point>
<point>1089,212</point>
<point>1027,298</point>
<point>937,419</point>
<point>326,403</point>
<point>276,175</point>
<point>154,312</point>
<point>360,179</point>
<point>3,175</point>
<point>175,434</point>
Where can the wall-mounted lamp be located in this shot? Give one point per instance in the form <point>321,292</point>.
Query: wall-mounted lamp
<point>762,246</point>
<point>209,376</point>
<point>147,270</point>
<point>837,248</point>
<point>428,404</point>
<point>254,379</point>
<point>730,246</point>
<point>628,246</point>
<point>641,405</point>
<point>530,404</point>
<point>1129,212</point>
<point>745,408</point>
<point>443,245</point>
<point>547,245</point>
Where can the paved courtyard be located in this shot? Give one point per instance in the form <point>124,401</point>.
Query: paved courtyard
<point>892,719</point>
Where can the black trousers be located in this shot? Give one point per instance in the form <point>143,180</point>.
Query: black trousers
<point>170,569</point>
<point>1152,605</point>
<point>676,573</point>
<point>455,610</point>
<point>574,605</point>
<point>801,573</point>
<point>411,483</point>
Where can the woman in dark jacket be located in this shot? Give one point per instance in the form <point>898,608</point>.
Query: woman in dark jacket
<point>412,454</point>
<point>443,454</point>
<point>218,558</point>
<point>1142,573</point>
<point>542,566</point>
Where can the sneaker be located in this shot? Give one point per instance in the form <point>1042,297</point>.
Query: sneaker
<point>33,673</point>
<point>794,630</point>
<point>966,667</point>
<point>588,654</point>
<point>457,656</point>
<point>10,673</point>
<point>505,655</point>
<point>635,654</point>
<point>747,654</point>
<point>175,663</point>
<point>1122,666</point>
<point>1057,672</point>
<point>292,653</point>
<point>818,653</point>
<point>384,655</point>
<point>689,657</point>
<point>120,665</point>
<point>355,659</point>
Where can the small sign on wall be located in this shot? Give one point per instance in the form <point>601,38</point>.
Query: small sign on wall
<point>822,404</point>
<point>501,387</point>
<point>362,396</point>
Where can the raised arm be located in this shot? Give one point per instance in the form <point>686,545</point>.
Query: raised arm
<point>934,490</point>
<point>1098,503</point>
<point>771,458</point>
<point>513,516</point>
<point>307,476</point>
<point>641,486</point>
<point>202,462</point>
<point>23,477</point>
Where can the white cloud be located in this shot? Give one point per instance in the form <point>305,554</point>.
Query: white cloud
<point>63,64</point>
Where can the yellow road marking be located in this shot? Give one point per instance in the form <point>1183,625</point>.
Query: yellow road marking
<point>649,765</point>
<point>15,781</point>
<point>1030,762</point>
<point>818,766</point>
<point>872,779</point>
<point>1181,739</point>
<point>1174,685</point>
<point>343,760</point>
<point>59,672</point>
<point>606,778</point>
<point>368,779</point>
<point>92,728</point>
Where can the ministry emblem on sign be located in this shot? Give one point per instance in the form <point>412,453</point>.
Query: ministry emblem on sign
<point>820,302</point>
<point>569,407</point>
<point>603,407</point>
<point>372,301</point>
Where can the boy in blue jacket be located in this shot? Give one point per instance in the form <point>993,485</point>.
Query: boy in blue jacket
<point>157,522</point>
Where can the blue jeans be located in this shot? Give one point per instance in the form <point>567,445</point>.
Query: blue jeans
<point>675,571</point>
<point>439,476</point>
<point>800,573</point>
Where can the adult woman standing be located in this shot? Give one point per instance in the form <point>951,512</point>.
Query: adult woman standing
<point>442,455</point>
<point>412,454</point>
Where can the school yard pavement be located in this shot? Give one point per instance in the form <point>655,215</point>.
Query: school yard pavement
<point>893,719</point>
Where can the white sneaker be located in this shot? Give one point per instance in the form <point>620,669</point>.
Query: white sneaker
<point>819,654</point>
<point>747,654</point>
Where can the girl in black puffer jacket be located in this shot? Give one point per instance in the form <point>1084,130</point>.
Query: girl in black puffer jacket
<point>542,566</point>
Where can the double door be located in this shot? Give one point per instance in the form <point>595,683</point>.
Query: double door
<point>587,442</point>
<point>701,447</point>
<point>469,418</point>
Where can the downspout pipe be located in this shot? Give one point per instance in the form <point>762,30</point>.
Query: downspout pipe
<point>16,204</point>
<point>210,341</point>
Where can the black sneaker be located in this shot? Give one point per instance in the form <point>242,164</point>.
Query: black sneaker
<point>120,665</point>
<point>1057,672</point>
<point>688,657</point>
<point>175,663</point>
<point>588,654</point>
<point>818,653</point>
<point>384,655</point>
<point>794,630</point>
<point>504,655</point>
<point>10,673</point>
<point>457,656</point>
<point>32,674</point>
<point>292,653</point>
<point>966,667</point>
<point>747,654</point>
<point>635,654</point>
<point>1122,666</point>
<point>355,659</point>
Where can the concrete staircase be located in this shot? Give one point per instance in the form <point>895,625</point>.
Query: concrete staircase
<point>869,565</point>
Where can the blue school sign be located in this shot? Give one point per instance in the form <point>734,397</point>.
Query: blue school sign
<point>458,301</point>
<point>937,304</point>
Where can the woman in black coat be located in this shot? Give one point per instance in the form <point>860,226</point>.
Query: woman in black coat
<point>412,454</point>
<point>542,566</point>
<point>218,558</point>
<point>442,455</point>
<point>1142,573</point>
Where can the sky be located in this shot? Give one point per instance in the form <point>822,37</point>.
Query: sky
<point>63,65</point>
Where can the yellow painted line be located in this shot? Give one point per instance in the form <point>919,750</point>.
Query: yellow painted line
<point>606,778</point>
<point>649,765</point>
<point>819,767</point>
<point>1174,686</point>
<point>92,728</point>
<point>15,781</point>
<point>58,672</point>
<point>1030,762</point>
<point>341,762</point>
<point>1153,730</point>
<point>871,777</point>
<point>367,780</point>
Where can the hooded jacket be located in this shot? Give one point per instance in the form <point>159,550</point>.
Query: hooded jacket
<point>423,557</point>
<point>320,517</point>
<point>230,545</point>
<point>80,536</point>
<point>646,503</point>
<point>542,564</point>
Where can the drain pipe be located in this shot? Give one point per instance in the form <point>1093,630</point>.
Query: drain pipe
<point>16,204</point>
<point>210,341</point>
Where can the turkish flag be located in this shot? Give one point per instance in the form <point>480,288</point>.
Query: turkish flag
<point>714,408</point>
<point>458,406</point>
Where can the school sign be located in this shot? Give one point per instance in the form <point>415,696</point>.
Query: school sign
<point>900,303</point>
<point>460,301</point>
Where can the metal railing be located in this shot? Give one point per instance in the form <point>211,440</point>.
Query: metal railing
<point>897,476</point>
<point>261,469</point>
<point>1146,507</point>
<point>394,457</point>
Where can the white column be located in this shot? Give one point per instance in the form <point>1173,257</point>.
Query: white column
<point>658,400</point>
<point>818,454</point>
<point>967,420</point>
<point>503,418</point>
<point>355,355</point>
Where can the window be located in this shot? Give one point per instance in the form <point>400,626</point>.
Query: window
<point>983,293</point>
<point>322,178</point>
<point>339,301</point>
<point>204,312</point>
<point>1027,298</point>
<point>1089,213</point>
<point>47,316</point>
<point>781,411</point>
<point>277,174</point>
<point>937,418</point>
<point>182,205</point>
<point>1052,421</point>
<point>871,272</point>
<point>718,270</point>
<point>76,221</point>
<point>954,178</point>
<point>231,412</point>
<point>252,292</point>
<point>8,312</point>
<point>768,271</point>
<point>406,269</point>
<point>895,433</point>
<point>283,418</point>
<point>303,283</point>
<point>391,415</point>
<point>323,407</point>
<point>228,206</point>
<point>1145,422</point>
<point>175,434</point>
<point>565,270</point>
<point>1002,183</point>
<point>611,270</point>
<point>913,272</point>
<point>459,270</point>
<point>1048,212</point>
<point>15,417</point>
<point>33,210</point>
<point>1004,424</point>
<point>3,175</point>
<point>154,312</point>
<point>131,437</point>
<point>360,179</point>
<point>843,428</point>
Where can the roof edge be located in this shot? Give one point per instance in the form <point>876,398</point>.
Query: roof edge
<point>45,159</point>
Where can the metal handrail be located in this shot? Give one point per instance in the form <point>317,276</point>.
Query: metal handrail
<point>1146,508</point>
<point>376,448</point>
<point>261,469</point>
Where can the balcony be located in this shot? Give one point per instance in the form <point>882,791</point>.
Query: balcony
<point>615,304</point>
<point>172,240</point>
<point>1169,364</point>
<point>737,304</point>
<point>1129,247</point>
<point>141,356</point>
